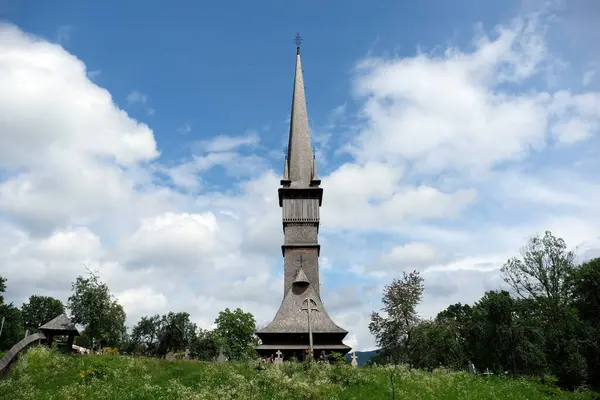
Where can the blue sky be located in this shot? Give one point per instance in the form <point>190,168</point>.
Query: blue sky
<point>226,68</point>
<point>147,142</point>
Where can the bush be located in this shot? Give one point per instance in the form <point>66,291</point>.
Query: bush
<point>344,375</point>
<point>110,351</point>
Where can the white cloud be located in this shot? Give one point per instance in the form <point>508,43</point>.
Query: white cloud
<point>588,77</point>
<point>145,300</point>
<point>48,265</point>
<point>187,175</point>
<point>373,195</point>
<point>63,34</point>
<point>409,256</point>
<point>94,74</point>
<point>185,128</point>
<point>137,97</point>
<point>173,241</point>
<point>228,143</point>
<point>459,111</point>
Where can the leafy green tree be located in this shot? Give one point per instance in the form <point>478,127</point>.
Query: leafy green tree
<point>146,334</point>
<point>13,331</point>
<point>176,332</point>
<point>93,306</point>
<point>501,339</point>
<point>2,289</point>
<point>400,300</point>
<point>543,271</point>
<point>586,299</point>
<point>544,276</point>
<point>204,347</point>
<point>157,335</point>
<point>235,333</point>
<point>39,310</point>
<point>453,324</point>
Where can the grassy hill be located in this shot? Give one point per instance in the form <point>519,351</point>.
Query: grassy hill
<point>44,374</point>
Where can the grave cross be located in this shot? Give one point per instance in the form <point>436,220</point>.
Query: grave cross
<point>310,303</point>
<point>472,369</point>
<point>354,360</point>
<point>278,359</point>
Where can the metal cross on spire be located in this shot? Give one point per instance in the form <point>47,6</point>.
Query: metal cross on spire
<point>298,39</point>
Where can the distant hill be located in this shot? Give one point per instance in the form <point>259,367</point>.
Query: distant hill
<point>363,356</point>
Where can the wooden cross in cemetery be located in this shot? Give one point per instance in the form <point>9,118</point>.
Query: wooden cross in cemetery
<point>354,360</point>
<point>309,305</point>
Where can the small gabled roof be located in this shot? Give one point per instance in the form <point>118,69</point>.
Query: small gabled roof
<point>61,324</point>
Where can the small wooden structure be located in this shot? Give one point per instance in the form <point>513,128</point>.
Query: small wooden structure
<point>60,326</point>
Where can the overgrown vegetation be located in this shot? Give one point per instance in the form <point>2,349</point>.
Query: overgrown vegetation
<point>45,374</point>
<point>548,326</point>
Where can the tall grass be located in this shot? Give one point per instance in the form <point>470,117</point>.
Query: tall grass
<point>45,374</point>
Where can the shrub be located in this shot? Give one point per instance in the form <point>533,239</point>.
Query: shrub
<point>110,351</point>
<point>87,376</point>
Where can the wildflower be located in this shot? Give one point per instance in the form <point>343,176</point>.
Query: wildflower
<point>82,374</point>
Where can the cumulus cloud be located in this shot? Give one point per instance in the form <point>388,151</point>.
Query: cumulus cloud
<point>79,154</point>
<point>136,97</point>
<point>409,256</point>
<point>228,143</point>
<point>459,110</point>
<point>179,240</point>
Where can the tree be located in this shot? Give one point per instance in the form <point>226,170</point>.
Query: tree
<point>502,338</point>
<point>544,275</point>
<point>543,272</point>
<point>39,310</point>
<point>586,291</point>
<point>235,333</point>
<point>93,306</point>
<point>146,335</point>
<point>2,289</point>
<point>156,335</point>
<point>175,332</point>
<point>12,331</point>
<point>400,300</point>
<point>204,347</point>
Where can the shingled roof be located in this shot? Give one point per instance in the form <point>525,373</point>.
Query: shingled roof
<point>291,318</point>
<point>299,165</point>
<point>61,324</point>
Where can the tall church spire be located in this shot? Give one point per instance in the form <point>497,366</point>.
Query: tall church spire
<point>300,198</point>
<point>300,159</point>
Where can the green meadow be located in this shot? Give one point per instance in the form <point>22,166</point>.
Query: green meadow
<point>45,374</point>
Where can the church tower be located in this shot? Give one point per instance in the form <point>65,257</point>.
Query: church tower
<point>300,197</point>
